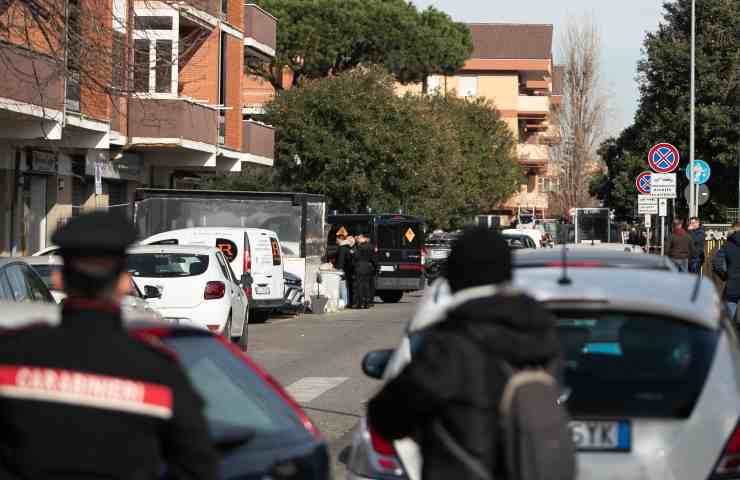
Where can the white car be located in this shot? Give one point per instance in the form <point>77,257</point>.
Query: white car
<point>652,377</point>
<point>192,285</point>
<point>535,234</point>
<point>254,254</point>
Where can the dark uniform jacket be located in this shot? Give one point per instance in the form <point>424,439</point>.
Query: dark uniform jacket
<point>457,378</point>
<point>87,400</point>
<point>344,258</point>
<point>726,264</point>
<point>363,262</point>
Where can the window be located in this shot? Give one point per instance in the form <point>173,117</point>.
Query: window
<point>39,291</point>
<point>467,86</point>
<point>434,84</point>
<point>399,236</point>
<point>548,184</point>
<point>222,88</point>
<point>6,293</point>
<point>45,272</point>
<point>163,67</point>
<point>167,264</point>
<point>276,260</point>
<point>633,365</point>
<point>153,23</point>
<point>18,285</point>
<point>141,65</point>
<point>224,268</point>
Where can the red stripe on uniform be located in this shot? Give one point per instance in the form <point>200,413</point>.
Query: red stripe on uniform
<point>85,389</point>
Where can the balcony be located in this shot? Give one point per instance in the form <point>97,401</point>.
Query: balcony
<point>258,142</point>
<point>173,121</point>
<point>532,155</point>
<point>533,105</point>
<point>19,83</point>
<point>526,199</point>
<point>195,8</point>
<point>260,32</point>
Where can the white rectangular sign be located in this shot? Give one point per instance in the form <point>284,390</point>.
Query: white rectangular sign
<point>663,207</point>
<point>663,185</point>
<point>647,205</point>
<point>648,221</point>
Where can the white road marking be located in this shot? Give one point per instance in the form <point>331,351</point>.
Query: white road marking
<point>310,388</point>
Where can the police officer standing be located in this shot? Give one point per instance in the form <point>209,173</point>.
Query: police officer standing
<point>87,400</point>
<point>364,269</point>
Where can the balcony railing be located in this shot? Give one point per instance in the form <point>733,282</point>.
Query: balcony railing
<point>173,118</point>
<point>31,79</point>
<point>260,30</point>
<point>258,140</point>
<point>532,154</point>
<point>534,104</point>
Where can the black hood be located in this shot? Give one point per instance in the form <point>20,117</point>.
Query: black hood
<point>516,327</point>
<point>734,238</point>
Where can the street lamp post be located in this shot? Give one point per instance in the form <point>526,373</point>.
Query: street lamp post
<point>692,187</point>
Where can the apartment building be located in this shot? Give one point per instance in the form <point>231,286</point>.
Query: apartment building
<point>85,122</point>
<point>512,66</point>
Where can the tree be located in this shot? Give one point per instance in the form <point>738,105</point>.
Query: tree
<point>327,37</point>
<point>663,111</point>
<point>351,138</point>
<point>581,115</point>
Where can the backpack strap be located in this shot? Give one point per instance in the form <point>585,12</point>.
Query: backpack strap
<point>471,463</point>
<point>517,378</point>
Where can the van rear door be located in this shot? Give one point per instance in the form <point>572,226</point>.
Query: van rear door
<point>267,266</point>
<point>399,244</point>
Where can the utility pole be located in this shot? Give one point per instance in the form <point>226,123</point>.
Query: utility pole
<point>692,186</point>
<point>737,151</point>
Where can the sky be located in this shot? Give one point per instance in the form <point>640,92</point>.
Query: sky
<point>622,25</point>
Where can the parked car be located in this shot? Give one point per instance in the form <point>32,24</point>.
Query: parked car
<point>192,285</point>
<point>50,250</point>
<point>654,372</point>
<point>133,304</point>
<point>20,283</point>
<point>537,236</point>
<point>519,241</point>
<point>260,431</point>
<point>254,254</point>
<point>578,256</point>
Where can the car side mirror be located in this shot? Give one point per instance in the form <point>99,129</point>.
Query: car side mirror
<point>375,362</point>
<point>151,292</point>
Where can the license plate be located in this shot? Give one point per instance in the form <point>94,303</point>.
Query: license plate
<point>440,254</point>
<point>262,290</point>
<point>605,436</point>
<point>387,268</point>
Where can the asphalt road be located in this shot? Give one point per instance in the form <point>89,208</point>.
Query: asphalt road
<point>318,358</point>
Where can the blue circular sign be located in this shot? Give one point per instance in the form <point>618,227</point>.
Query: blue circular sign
<point>702,172</point>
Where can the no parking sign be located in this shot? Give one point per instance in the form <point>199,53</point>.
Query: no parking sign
<point>663,158</point>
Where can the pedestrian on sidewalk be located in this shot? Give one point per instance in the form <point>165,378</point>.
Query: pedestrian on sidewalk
<point>680,246</point>
<point>344,262</point>
<point>364,266</point>
<point>726,264</point>
<point>449,395</point>
<point>696,231</point>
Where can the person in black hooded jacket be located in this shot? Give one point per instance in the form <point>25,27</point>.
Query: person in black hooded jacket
<point>458,377</point>
<point>726,264</point>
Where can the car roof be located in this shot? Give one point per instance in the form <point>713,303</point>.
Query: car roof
<point>650,291</point>
<point>213,230</point>
<point>196,249</point>
<point>610,258</point>
<point>42,260</point>
<point>8,260</point>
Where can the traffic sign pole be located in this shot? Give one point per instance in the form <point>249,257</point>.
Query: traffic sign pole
<point>693,203</point>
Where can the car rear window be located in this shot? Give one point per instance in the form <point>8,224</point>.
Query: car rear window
<point>236,396</point>
<point>167,264</point>
<point>404,235</point>
<point>633,365</point>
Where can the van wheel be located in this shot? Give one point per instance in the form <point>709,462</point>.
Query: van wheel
<point>227,329</point>
<point>259,316</point>
<point>391,296</point>
<point>242,341</point>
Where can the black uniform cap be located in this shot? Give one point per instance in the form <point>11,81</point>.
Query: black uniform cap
<point>95,234</point>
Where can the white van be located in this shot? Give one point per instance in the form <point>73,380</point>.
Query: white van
<point>255,256</point>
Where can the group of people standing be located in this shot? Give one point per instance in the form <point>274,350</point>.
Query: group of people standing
<point>356,258</point>
<point>686,245</point>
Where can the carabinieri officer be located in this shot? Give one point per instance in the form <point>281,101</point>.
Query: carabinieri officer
<point>87,400</point>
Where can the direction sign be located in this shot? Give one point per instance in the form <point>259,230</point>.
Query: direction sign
<point>663,158</point>
<point>647,205</point>
<point>703,193</point>
<point>663,185</point>
<point>702,171</point>
<point>643,182</point>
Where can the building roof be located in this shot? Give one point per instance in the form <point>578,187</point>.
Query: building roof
<point>511,41</point>
<point>558,73</point>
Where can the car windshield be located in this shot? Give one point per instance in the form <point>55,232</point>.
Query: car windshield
<point>633,365</point>
<point>236,396</point>
<point>167,264</point>
<point>45,272</point>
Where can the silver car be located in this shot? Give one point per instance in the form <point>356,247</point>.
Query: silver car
<point>652,377</point>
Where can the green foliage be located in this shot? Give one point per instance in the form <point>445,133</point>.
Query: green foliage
<point>319,38</point>
<point>252,179</point>
<point>353,139</point>
<point>663,112</point>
